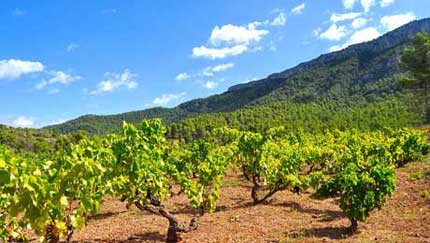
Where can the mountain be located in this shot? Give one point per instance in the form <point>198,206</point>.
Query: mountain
<point>362,71</point>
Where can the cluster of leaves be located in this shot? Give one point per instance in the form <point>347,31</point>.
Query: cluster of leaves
<point>358,167</point>
<point>269,161</point>
<point>199,169</point>
<point>362,166</point>
<point>53,195</point>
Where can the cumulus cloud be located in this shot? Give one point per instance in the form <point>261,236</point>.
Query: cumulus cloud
<point>358,23</point>
<point>209,71</point>
<point>71,47</point>
<point>211,84</point>
<point>24,121</point>
<point>335,48</point>
<point>114,81</point>
<point>394,21</point>
<point>342,17</point>
<point>367,4</point>
<point>348,4</point>
<point>334,32</point>
<point>386,3</point>
<point>279,20</point>
<point>298,9</point>
<point>232,34</point>
<point>316,31</point>
<point>363,35</point>
<point>14,68</point>
<point>215,53</point>
<point>57,77</point>
<point>232,40</point>
<point>182,76</point>
<point>169,99</point>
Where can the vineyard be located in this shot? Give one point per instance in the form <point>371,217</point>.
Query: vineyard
<point>52,195</point>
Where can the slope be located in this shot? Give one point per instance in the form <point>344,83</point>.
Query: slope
<point>365,70</point>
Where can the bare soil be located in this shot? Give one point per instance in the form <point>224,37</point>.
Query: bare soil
<point>286,217</point>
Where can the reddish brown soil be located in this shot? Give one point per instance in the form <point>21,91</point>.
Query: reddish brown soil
<point>286,217</point>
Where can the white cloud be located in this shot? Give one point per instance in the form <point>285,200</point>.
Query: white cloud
<point>215,53</point>
<point>13,68</point>
<point>279,20</point>
<point>342,17</point>
<point>367,4</point>
<point>24,121</point>
<point>232,34</point>
<point>333,33</point>
<point>209,71</point>
<point>348,4</point>
<point>115,81</point>
<point>394,21</point>
<point>182,76</point>
<point>210,84</point>
<point>298,9</point>
<point>386,3</point>
<point>231,40</point>
<point>59,77</point>
<point>72,47</point>
<point>335,48</point>
<point>359,36</point>
<point>169,99</point>
<point>358,23</point>
<point>363,35</point>
<point>316,31</point>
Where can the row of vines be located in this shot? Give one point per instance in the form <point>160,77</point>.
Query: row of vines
<point>53,195</point>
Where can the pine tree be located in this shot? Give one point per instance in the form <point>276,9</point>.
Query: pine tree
<point>416,61</point>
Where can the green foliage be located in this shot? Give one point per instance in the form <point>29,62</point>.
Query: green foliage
<point>363,189</point>
<point>416,62</point>
<point>40,192</point>
<point>315,117</point>
<point>271,163</point>
<point>416,176</point>
<point>425,194</point>
<point>53,193</point>
<point>138,169</point>
<point>362,173</point>
<point>200,170</point>
<point>408,146</point>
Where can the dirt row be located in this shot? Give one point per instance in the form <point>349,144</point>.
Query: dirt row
<point>286,217</point>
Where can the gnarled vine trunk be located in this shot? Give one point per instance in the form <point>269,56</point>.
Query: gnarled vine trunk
<point>354,225</point>
<point>51,234</point>
<point>256,187</point>
<point>175,226</point>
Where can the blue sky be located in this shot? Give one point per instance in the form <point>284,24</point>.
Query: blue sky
<point>63,59</point>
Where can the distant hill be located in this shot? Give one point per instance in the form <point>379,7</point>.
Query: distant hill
<point>363,71</point>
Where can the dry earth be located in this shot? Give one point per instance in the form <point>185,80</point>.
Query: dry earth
<point>286,217</point>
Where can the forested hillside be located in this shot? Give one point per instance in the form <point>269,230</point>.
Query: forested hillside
<point>333,82</point>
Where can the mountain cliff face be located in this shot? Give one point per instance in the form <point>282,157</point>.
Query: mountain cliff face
<point>364,70</point>
<point>390,40</point>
